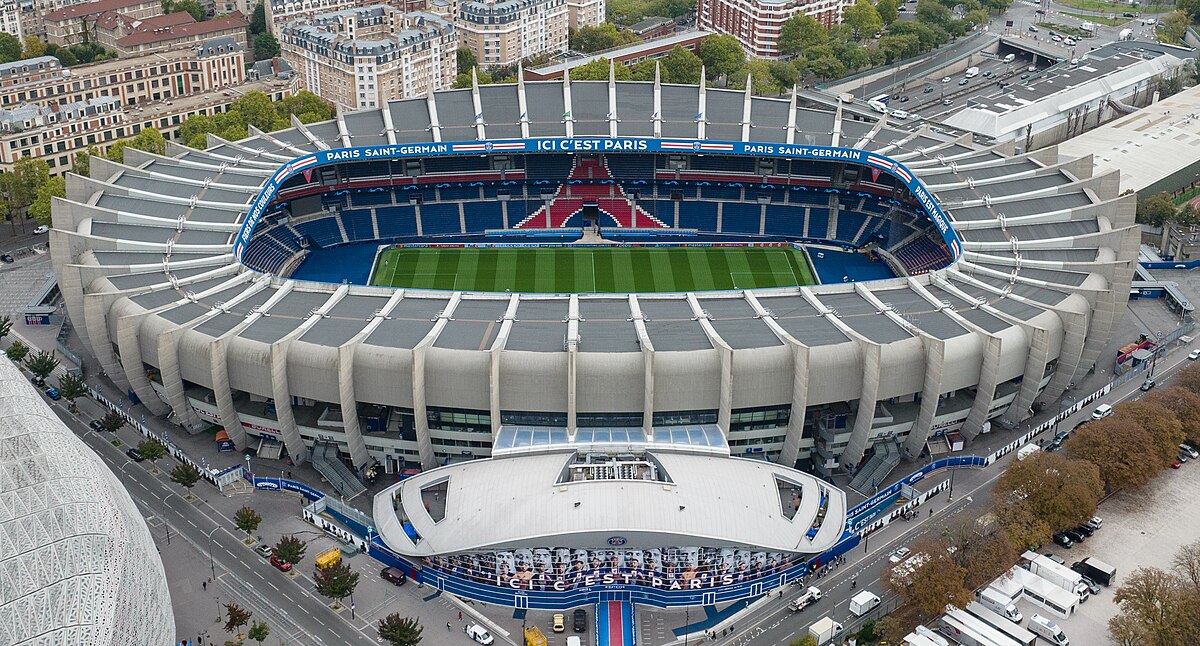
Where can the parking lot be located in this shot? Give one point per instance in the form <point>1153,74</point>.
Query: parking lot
<point>1143,528</point>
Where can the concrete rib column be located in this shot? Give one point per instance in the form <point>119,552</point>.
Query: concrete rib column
<point>865,417</point>
<point>172,378</point>
<point>219,366</point>
<point>95,327</point>
<point>283,403</point>
<point>573,364</point>
<point>1070,354</point>
<point>725,399</point>
<point>495,356</point>
<point>985,391</point>
<point>935,369</point>
<point>131,362</point>
<point>647,346</point>
<point>420,418</point>
<point>795,431</point>
<point>1035,367</point>
<point>349,404</point>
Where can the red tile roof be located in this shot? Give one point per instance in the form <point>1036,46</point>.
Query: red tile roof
<point>93,8</point>
<point>155,34</point>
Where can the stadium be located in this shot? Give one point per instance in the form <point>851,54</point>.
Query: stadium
<point>595,292</point>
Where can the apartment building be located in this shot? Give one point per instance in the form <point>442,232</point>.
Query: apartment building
<point>131,37</point>
<point>756,23</point>
<point>43,81</point>
<point>66,26</point>
<point>282,12</point>
<point>501,32</point>
<point>584,13</point>
<point>362,58</point>
<point>55,133</point>
<point>10,18</point>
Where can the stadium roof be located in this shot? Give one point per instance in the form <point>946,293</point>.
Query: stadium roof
<point>79,565</point>
<point>521,501</point>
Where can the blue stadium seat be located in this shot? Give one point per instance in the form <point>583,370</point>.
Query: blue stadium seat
<point>323,232</point>
<point>358,224</point>
<point>456,164</point>
<point>459,193</point>
<point>720,193</point>
<point>439,219</point>
<point>739,217</point>
<point>547,166</point>
<point>849,222</point>
<point>378,198</point>
<point>481,216</point>
<point>631,166</point>
<point>396,221</point>
<point>724,164</point>
<point>816,198</point>
<point>818,222</point>
<point>698,215</point>
<point>784,220</point>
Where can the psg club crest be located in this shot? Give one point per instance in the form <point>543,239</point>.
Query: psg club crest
<point>487,146</point>
<point>695,145</point>
<point>617,541</point>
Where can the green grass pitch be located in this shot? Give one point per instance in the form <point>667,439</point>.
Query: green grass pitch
<point>593,269</point>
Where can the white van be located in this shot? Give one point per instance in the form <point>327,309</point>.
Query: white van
<point>1048,630</point>
<point>480,634</point>
<point>1102,411</point>
<point>1000,604</point>
<point>574,640</point>
<point>1010,58</point>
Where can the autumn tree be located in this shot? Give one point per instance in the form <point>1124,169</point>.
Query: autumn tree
<point>400,631</point>
<point>247,520</point>
<point>1187,563</point>
<point>985,556</point>
<point>1188,378</point>
<point>1157,608</point>
<point>1120,451</point>
<point>290,549</point>
<point>235,617</point>
<point>1044,493</point>
<point>1185,404</point>
<point>928,579</point>
<point>806,640</point>
<point>1160,423</point>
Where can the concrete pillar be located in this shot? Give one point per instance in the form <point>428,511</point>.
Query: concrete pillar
<point>172,378</point>
<point>349,405</point>
<point>131,362</point>
<point>935,369</point>
<point>985,391</point>
<point>282,395</point>
<point>230,420</point>
<point>1035,367</point>
<point>872,364</point>
<point>795,431</point>
<point>420,418</point>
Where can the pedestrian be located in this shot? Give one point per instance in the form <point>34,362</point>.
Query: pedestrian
<point>931,513</point>
<point>447,626</point>
<point>204,585</point>
<point>460,615</point>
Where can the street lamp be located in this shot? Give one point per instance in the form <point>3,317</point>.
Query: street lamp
<point>211,565</point>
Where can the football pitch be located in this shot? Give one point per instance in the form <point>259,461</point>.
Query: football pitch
<point>592,269</point>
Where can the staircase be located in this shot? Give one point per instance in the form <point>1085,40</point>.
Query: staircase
<point>572,196</point>
<point>326,461</point>
<point>885,458</point>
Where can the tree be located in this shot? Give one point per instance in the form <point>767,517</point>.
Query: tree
<point>28,175</point>
<point>932,12</point>
<point>150,140</point>
<point>400,631</point>
<point>290,549</point>
<point>597,70</point>
<point>984,555</point>
<point>800,32</point>
<point>247,520</point>
<point>1157,608</point>
<point>185,475</point>
<point>896,47</point>
<point>678,66</point>
<point>265,47</point>
<point>1044,493</point>
<point>116,151</point>
<point>258,19</point>
<point>71,387</point>
<point>1120,451</point>
<point>722,55</point>
<point>807,640</point>
<point>827,67</point>
<point>1173,26</point>
<point>862,18</point>
<point>928,579</point>
<point>16,352</point>
<point>151,450</point>
<point>40,209</point>
<point>258,631</point>
<point>65,57</point>
<point>42,364</point>
<point>34,47</point>
<point>784,73</point>
<point>10,48</point>
<point>259,111</point>
<point>191,6</point>
<point>112,421</point>
<point>762,81</point>
<point>466,60</point>
<point>888,10</point>
<point>5,325</point>
<point>336,581</point>
<point>603,36</point>
<point>1155,210</point>
<point>1187,563</point>
<point>1184,404</point>
<point>1163,427</point>
<point>235,617</point>
<point>82,163</point>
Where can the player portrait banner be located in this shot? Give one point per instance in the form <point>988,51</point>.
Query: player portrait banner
<point>876,162</point>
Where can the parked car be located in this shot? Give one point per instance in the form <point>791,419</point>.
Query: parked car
<point>134,455</point>
<point>579,620</point>
<point>1193,355</point>
<point>6,258</point>
<point>1070,42</point>
<point>1085,530</point>
<point>1056,558</point>
<point>1033,29</point>
<point>264,550</point>
<point>1053,446</point>
<point>280,564</point>
<point>1075,536</point>
<point>52,393</point>
<point>1063,540</point>
<point>1191,452</point>
<point>393,575</point>
<point>1095,523</point>
<point>559,623</point>
<point>40,230</point>
<point>1129,14</point>
<point>1092,586</point>
<point>1148,384</point>
<point>899,555</point>
<point>38,381</point>
<point>1182,457</point>
<point>96,425</point>
<point>1176,464</point>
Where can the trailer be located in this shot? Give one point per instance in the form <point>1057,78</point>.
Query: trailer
<point>824,630</point>
<point>922,636</point>
<point>1060,575</point>
<point>965,629</point>
<point>1096,570</point>
<point>863,602</point>
<point>1002,624</point>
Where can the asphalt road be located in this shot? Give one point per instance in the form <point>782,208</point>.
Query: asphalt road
<point>775,624</point>
<point>296,613</point>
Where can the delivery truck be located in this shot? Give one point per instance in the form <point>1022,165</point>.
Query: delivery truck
<point>1001,624</point>
<point>971,72</point>
<point>825,630</point>
<point>810,596</point>
<point>863,602</point>
<point>1000,603</point>
<point>1060,575</point>
<point>1096,570</point>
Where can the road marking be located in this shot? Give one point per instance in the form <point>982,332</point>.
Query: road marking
<point>273,586</point>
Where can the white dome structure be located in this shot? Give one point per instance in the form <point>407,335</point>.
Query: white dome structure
<point>77,563</point>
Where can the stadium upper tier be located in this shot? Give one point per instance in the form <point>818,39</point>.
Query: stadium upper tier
<point>147,255</point>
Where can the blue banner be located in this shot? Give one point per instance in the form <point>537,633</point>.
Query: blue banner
<point>598,144</point>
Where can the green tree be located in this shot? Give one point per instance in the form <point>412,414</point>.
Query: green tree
<point>897,47</point>
<point>82,163</point>
<point>1156,210</point>
<point>65,57</point>
<point>597,70</point>
<point>678,66</point>
<point>785,74</point>
<point>888,10</point>
<point>28,174</point>
<point>400,631</point>
<point>247,520</point>
<point>258,631</point>
<point>16,351</point>
<point>799,33</point>
<point>112,421</point>
<point>235,617</point>
<point>149,140</point>
<point>42,364</point>
<point>259,111</point>
<point>932,12</point>
<point>337,581</point>
<point>40,209</point>
<point>116,151</point>
<point>71,387</point>
<point>603,36</point>
<point>10,48</point>
<point>722,55</point>
<point>185,475</point>
<point>151,450</point>
<point>1173,26</point>
<point>862,18</point>
<point>466,60</point>
<point>258,19</point>
<point>827,67</point>
<point>762,81</point>
<point>290,549</point>
<point>5,326</point>
<point>191,6</point>
<point>34,47</point>
<point>807,640</point>
<point>265,47</point>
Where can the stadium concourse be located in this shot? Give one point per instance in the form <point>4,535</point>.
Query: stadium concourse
<point>607,437</point>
